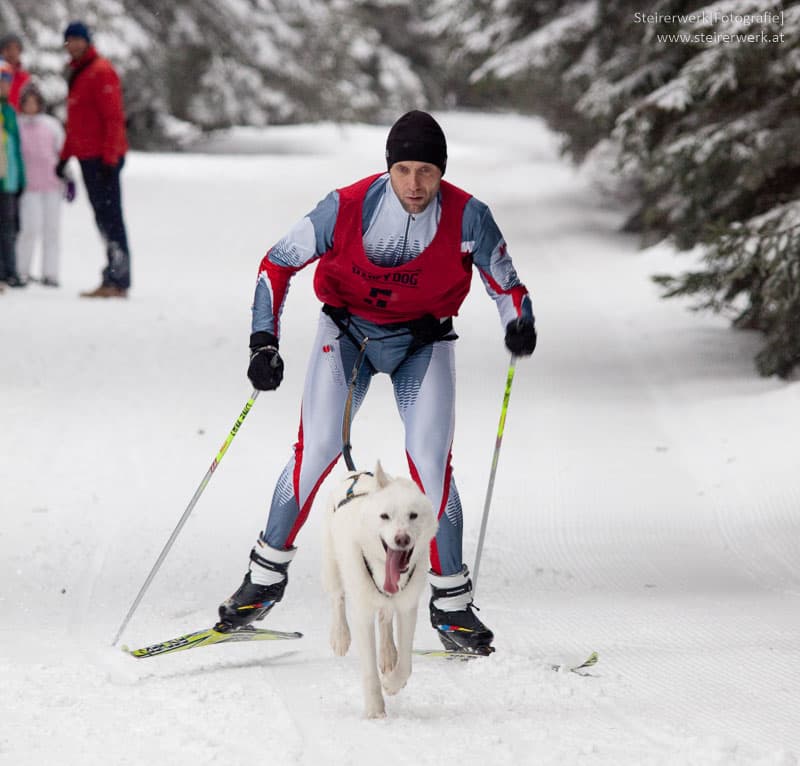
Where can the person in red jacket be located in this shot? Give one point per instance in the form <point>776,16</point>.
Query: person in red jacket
<point>95,135</point>
<point>11,52</point>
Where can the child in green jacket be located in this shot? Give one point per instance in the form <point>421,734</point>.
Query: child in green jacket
<point>12,181</point>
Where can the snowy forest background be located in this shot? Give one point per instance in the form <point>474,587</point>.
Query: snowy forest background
<point>699,138</point>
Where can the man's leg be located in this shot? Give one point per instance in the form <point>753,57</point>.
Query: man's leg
<point>424,388</point>
<point>318,447</point>
<point>103,190</point>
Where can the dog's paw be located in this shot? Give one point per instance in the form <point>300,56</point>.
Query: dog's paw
<point>388,659</point>
<point>340,639</point>
<point>394,681</point>
<point>375,708</point>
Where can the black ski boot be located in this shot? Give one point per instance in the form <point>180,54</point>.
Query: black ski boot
<point>452,615</point>
<point>253,600</point>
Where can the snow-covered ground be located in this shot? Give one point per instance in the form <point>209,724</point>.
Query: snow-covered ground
<point>646,503</point>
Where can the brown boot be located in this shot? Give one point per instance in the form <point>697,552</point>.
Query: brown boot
<point>106,291</point>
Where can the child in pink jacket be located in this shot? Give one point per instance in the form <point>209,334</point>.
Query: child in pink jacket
<point>40,207</point>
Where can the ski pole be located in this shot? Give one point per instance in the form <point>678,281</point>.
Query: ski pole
<point>189,508</point>
<point>490,488</point>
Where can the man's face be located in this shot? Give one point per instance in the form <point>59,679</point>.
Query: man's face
<point>76,47</point>
<point>11,53</point>
<point>415,184</point>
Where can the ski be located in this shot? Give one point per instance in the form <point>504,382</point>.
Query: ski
<point>208,637</point>
<point>452,654</point>
<point>589,662</point>
<point>211,636</point>
<point>448,654</point>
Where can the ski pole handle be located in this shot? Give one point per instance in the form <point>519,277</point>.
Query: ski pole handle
<point>490,488</point>
<point>184,518</point>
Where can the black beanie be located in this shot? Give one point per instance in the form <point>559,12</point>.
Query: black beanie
<point>416,136</point>
<point>78,29</point>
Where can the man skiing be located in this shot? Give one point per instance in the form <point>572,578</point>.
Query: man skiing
<point>395,252</point>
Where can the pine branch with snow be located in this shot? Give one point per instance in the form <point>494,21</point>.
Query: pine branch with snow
<point>752,272</point>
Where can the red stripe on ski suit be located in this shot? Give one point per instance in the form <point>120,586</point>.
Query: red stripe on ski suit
<point>305,508</point>
<point>517,293</point>
<point>436,566</point>
<point>279,278</point>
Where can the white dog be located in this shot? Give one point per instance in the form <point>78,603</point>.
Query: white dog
<point>377,535</point>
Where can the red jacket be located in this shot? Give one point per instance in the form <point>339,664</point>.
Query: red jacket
<point>17,84</point>
<point>95,113</point>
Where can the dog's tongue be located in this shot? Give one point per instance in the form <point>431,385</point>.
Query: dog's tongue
<point>396,562</point>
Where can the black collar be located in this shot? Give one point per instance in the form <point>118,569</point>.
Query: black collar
<point>377,587</point>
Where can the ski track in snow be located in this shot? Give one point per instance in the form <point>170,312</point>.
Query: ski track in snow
<point>645,504</point>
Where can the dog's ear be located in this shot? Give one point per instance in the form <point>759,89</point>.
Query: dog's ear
<point>380,477</point>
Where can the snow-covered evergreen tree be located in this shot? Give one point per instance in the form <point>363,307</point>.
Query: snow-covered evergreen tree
<point>704,124</point>
<point>717,147</point>
<point>216,64</point>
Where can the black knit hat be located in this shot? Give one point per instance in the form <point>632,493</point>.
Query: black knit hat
<point>78,29</point>
<point>416,136</point>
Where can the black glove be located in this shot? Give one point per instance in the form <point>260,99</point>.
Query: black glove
<point>521,336</point>
<point>266,366</point>
<point>62,164</point>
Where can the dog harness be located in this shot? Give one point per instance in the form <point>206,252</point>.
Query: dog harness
<point>351,494</point>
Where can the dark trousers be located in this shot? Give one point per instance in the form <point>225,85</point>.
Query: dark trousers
<point>8,236</point>
<point>103,188</point>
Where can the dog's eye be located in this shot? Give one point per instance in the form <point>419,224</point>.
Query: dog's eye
<point>413,515</point>
<point>385,516</point>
